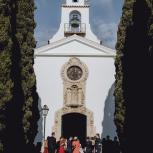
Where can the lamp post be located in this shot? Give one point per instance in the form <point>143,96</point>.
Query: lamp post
<point>45,110</point>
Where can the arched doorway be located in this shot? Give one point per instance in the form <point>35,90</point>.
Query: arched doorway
<point>74,124</point>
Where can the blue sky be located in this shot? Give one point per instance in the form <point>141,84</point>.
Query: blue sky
<point>104,19</point>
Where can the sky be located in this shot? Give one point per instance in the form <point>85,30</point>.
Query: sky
<point>104,19</point>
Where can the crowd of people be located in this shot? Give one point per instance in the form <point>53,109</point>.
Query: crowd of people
<point>110,146</point>
<point>73,145</point>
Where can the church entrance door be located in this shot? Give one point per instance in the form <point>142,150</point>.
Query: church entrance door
<point>74,124</point>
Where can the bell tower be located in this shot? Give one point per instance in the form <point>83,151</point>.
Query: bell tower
<point>74,20</point>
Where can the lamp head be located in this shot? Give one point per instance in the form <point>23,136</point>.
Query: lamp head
<point>45,110</point>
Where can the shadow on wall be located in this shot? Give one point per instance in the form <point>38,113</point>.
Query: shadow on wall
<point>39,136</point>
<point>108,124</point>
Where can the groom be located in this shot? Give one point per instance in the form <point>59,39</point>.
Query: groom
<point>51,143</point>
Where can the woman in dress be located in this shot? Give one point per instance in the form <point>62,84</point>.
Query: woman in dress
<point>76,145</point>
<point>45,146</point>
<point>62,145</point>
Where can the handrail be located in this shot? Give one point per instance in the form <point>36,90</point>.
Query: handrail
<point>80,29</point>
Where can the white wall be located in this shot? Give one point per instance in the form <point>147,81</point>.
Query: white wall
<point>50,85</point>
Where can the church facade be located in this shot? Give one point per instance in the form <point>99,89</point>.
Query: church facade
<point>74,73</point>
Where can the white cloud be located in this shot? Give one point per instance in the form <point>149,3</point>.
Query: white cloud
<point>43,35</point>
<point>107,32</point>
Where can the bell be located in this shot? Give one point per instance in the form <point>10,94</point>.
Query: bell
<point>75,22</point>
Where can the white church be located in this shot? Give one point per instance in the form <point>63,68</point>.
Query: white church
<point>75,76</point>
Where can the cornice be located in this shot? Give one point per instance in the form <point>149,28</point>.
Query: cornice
<point>75,55</point>
<point>75,38</point>
<point>103,51</point>
<point>76,6</point>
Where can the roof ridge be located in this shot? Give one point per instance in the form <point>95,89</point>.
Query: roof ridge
<point>86,41</point>
<point>95,43</point>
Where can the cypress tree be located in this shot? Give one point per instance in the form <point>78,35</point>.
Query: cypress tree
<point>19,101</point>
<point>25,36</point>
<point>6,83</point>
<point>125,22</point>
<point>133,73</point>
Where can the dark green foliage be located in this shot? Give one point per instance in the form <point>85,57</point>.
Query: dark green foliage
<point>6,83</point>
<point>125,22</point>
<point>18,98</point>
<point>133,63</point>
<point>25,37</point>
<point>150,28</point>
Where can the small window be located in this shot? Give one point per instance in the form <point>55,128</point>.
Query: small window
<point>75,1</point>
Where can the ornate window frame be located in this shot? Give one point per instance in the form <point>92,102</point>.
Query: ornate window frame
<point>74,62</point>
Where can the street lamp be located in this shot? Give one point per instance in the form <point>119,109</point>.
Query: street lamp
<point>45,110</point>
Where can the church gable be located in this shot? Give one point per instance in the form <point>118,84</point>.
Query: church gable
<point>74,45</point>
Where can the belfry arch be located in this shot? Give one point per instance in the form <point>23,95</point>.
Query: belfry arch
<point>75,21</point>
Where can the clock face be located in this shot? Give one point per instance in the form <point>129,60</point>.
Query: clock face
<point>74,73</point>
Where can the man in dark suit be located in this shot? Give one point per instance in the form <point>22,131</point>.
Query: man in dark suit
<point>51,143</point>
<point>98,144</point>
<point>69,145</point>
<point>88,146</point>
